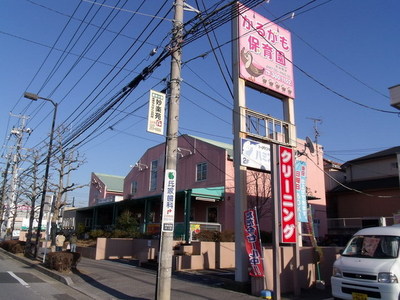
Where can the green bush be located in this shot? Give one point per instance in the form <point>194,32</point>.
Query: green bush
<point>96,233</point>
<point>62,261</point>
<point>118,233</point>
<point>215,236</point>
<point>13,246</point>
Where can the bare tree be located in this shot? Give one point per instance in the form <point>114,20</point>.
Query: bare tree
<point>32,187</point>
<point>259,192</point>
<point>65,162</point>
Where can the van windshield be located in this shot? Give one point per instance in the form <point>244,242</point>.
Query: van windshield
<point>373,246</point>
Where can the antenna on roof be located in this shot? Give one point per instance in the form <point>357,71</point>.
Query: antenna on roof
<point>316,133</point>
<point>309,144</point>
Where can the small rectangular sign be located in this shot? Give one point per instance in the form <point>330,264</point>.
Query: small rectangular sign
<point>168,212</point>
<point>156,115</point>
<point>256,155</point>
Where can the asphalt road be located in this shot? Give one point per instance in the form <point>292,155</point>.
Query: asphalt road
<point>19,281</point>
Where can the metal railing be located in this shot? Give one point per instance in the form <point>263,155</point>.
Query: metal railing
<point>267,127</point>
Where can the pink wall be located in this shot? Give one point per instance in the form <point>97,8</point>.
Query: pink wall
<point>186,167</point>
<point>221,173</point>
<point>97,190</point>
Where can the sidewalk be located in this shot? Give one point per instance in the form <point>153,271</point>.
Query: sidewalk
<point>103,279</point>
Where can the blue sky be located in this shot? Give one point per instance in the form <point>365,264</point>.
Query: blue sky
<point>345,55</point>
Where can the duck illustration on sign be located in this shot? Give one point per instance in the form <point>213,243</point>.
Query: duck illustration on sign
<point>249,64</point>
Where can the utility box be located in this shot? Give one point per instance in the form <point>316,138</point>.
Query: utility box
<point>395,96</point>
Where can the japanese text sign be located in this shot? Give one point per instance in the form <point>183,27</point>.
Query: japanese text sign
<point>256,155</point>
<point>287,195</point>
<point>301,191</point>
<point>156,115</point>
<point>265,53</point>
<point>253,243</point>
<point>168,212</point>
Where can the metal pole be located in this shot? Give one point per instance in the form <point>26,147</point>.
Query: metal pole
<point>275,236</point>
<point>239,89</point>
<point>46,177</point>
<point>163,289</point>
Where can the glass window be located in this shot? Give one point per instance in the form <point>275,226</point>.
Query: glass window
<point>153,175</point>
<point>377,246</point>
<point>201,172</point>
<point>212,215</point>
<point>133,187</point>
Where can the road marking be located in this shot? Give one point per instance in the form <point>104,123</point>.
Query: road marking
<point>21,281</point>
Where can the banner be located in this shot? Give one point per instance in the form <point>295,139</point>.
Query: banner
<point>253,243</point>
<point>155,119</point>
<point>301,190</point>
<point>287,195</point>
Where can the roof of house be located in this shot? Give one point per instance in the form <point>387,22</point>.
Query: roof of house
<point>385,153</point>
<point>226,146</point>
<point>365,185</point>
<point>113,183</point>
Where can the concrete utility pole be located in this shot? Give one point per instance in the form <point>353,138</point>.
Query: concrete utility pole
<point>163,289</point>
<point>3,196</point>
<point>13,199</point>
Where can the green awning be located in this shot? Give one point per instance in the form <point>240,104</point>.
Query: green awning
<point>216,193</point>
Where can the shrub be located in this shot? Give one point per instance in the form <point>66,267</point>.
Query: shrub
<point>13,246</point>
<point>227,236</point>
<point>62,261</point>
<point>215,236</point>
<point>94,234</point>
<point>118,233</point>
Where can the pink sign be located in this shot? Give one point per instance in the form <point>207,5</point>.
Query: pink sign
<point>265,53</point>
<point>253,243</point>
<point>287,199</point>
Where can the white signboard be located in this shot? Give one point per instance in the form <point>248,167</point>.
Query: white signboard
<point>168,212</point>
<point>256,155</point>
<point>155,120</point>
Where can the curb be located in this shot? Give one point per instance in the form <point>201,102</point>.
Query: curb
<point>64,279</point>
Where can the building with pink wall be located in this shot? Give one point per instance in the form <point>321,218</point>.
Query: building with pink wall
<point>105,188</point>
<point>205,186</point>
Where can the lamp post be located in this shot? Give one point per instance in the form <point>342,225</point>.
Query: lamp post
<point>35,97</point>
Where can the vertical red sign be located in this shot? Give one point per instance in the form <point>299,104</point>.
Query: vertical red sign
<point>253,243</point>
<point>287,195</point>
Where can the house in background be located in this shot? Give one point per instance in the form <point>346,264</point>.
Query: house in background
<point>105,188</point>
<point>205,194</point>
<point>368,193</point>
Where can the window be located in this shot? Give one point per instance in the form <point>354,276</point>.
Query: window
<point>212,215</point>
<point>201,172</point>
<point>153,175</point>
<point>133,187</point>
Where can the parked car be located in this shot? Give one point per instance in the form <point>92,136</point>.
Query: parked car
<point>369,266</point>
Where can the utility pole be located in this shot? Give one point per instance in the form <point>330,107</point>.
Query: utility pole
<point>3,195</point>
<point>13,198</point>
<point>163,287</point>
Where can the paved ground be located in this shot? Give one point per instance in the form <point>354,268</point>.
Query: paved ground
<point>120,280</point>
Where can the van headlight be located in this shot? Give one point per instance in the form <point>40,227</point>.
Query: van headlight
<point>336,272</point>
<point>387,277</point>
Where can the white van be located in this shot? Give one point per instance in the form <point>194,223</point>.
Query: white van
<point>369,267</point>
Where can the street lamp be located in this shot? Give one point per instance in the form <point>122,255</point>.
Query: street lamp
<point>35,97</point>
